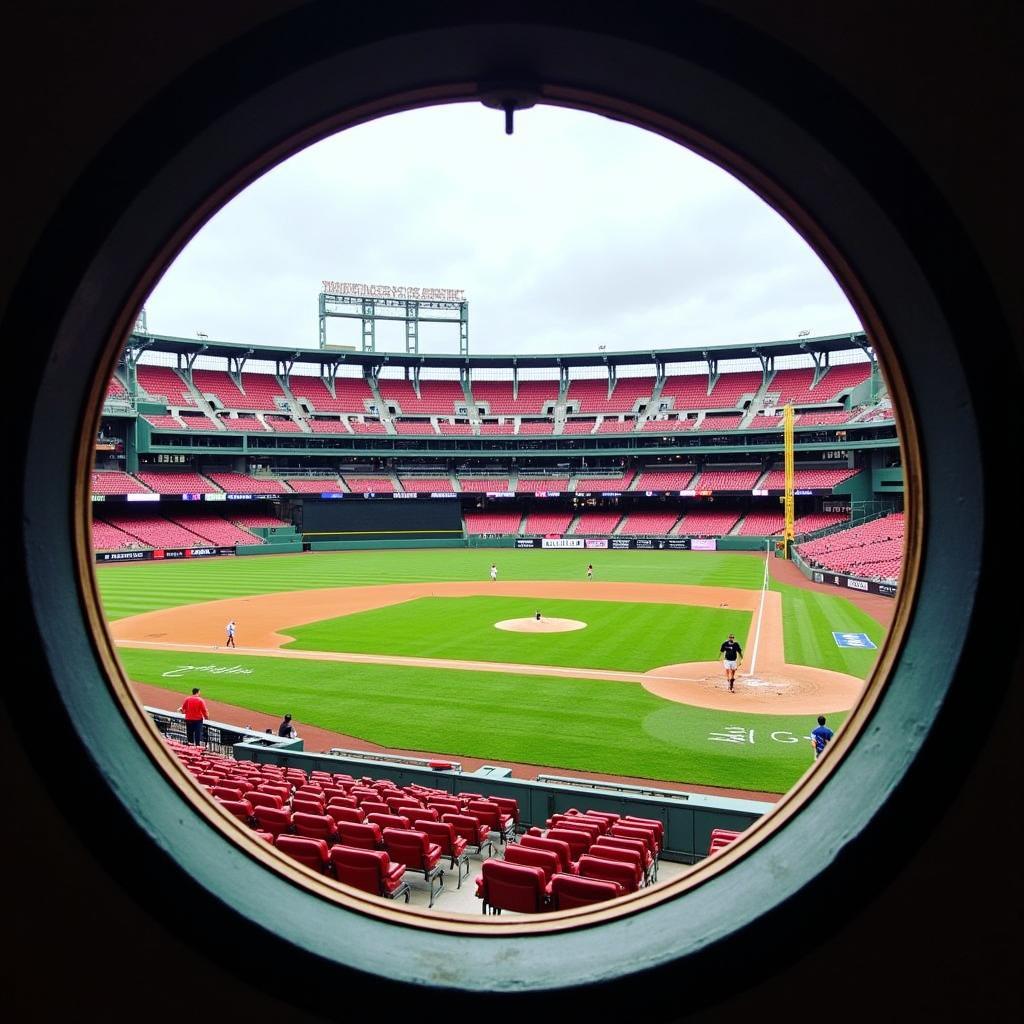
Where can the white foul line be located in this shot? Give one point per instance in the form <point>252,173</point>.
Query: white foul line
<point>760,610</point>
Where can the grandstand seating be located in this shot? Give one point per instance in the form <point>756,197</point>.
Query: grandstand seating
<point>114,481</point>
<point>177,482</point>
<point>841,378</point>
<point>592,394</point>
<point>596,524</point>
<point>605,483</point>
<point>533,396</point>
<point>283,425</point>
<point>115,389</point>
<point>415,427</point>
<point>819,521</point>
<point>163,382</point>
<point>368,484</point>
<point>579,426</point>
<point>367,427</point>
<point>164,422</point>
<point>351,393</point>
<point>791,387</point>
<point>688,391</point>
<point>808,479</point>
<point>536,427</point>
<point>492,523</point>
<point>109,538</point>
<point>664,480</point>
<point>242,422</point>
<point>240,483</point>
<point>820,419</point>
<point>327,426</point>
<point>611,425</point>
<point>761,524</point>
<point>314,485</point>
<point>702,523</point>
<point>873,549</point>
<point>730,388</point>
<point>220,384</point>
<point>214,529</point>
<point>532,484</point>
<point>444,427</point>
<point>262,391</point>
<point>480,484</point>
<point>252,522</point>
<point>713,422</point>
<point>426,484</point>
<point>197,421</point>
<point>671,425</point>
<point>727,479</point>
<point>493,427</point>
<point>764,422</point>
<point>156,532</point>
<point>648,524</point>
<point>547,522</point>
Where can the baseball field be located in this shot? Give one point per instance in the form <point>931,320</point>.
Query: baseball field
<point>422,651</point>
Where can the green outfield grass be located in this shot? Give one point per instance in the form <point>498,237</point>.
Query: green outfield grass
<point>608,727</point>
<point>143,587</point>
<point>633,637</point>
<point>587,725</point>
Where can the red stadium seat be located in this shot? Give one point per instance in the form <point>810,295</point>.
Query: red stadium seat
<point>626,875</point>
<point>568,891</point>
<point>418,853</point>
<point>311,852</point>
<point>452,845</point>
<point>467,827</point>
<point>547,860</point>
<point>505,886</point>
<point>365,836</point>
<point>369,870</point>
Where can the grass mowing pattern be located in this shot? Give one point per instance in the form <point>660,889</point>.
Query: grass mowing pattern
<point>630,637</point>
<point>608,727</point>
<point>142,587</point>
<point>808,620</point>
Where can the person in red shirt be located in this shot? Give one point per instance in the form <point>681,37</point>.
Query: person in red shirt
<point>194,710</point>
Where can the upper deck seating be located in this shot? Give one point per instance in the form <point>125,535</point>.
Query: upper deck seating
<point>533,398</point>
<point>689,391</point>
<point>163,382</point>
<point>351,394</point>
<point>415,427</point>
<point>262,391</point>
<point>731,388</point>
<point>220,384</point>
<point>536,427</point>
<point>371,484</point>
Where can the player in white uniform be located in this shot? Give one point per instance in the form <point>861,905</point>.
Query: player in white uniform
<point>494,571</point>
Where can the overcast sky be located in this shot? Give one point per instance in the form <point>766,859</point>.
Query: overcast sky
<point>575,232</point>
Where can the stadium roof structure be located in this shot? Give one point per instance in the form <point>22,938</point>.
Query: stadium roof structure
<point>697,354</point>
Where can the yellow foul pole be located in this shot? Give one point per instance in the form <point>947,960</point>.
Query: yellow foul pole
<point>787,438</point>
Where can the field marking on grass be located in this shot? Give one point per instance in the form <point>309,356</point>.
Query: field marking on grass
<point>760,615</point>
<point>434,663</point>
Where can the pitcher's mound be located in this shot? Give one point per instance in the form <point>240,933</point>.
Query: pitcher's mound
<point>541,625</point>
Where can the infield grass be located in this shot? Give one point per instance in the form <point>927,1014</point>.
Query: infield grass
<point>633,637</point>
<point>587,725</point>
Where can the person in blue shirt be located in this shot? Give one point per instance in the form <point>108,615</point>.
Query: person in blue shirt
<point>821,736</point>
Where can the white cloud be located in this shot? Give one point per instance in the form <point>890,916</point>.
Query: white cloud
<point>575,232</point>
